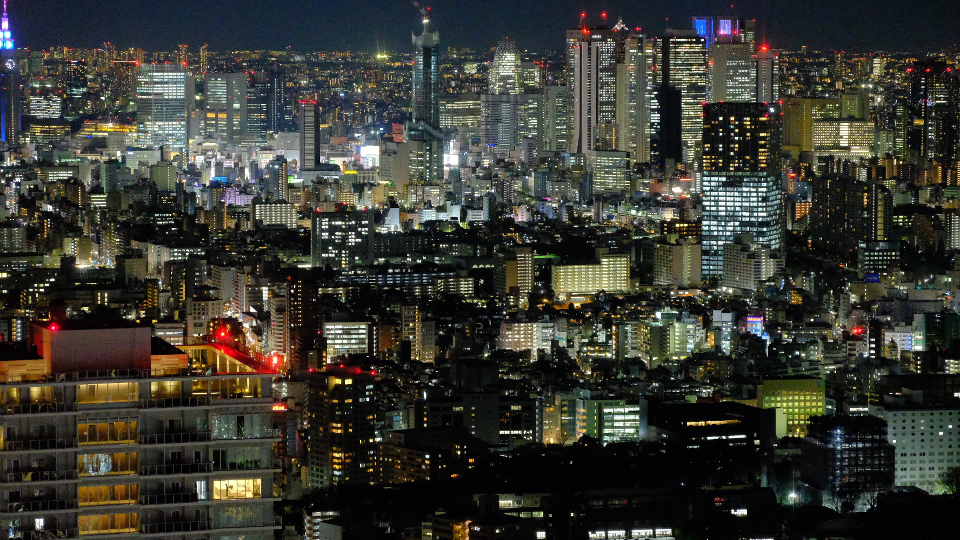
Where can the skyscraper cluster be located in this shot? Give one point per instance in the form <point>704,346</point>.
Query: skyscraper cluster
<point>648,286</point>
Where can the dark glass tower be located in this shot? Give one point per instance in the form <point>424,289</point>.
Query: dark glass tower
<point>424,128</point>
<point>934,107</point>
<point>10,108</point>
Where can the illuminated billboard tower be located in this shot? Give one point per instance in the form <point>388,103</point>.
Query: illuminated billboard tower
<point>424,127</point>
<point>9,85</point>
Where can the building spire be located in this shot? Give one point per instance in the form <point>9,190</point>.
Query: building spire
<point>6,38</point>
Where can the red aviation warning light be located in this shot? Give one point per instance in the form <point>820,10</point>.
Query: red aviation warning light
<point>54,327</point>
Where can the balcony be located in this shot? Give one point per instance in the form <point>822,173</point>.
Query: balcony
<point>176,469</point>
<point>38,408</point>
<point>38,476</point>
<point>48,534</point>
<point>42,506</point>
<point>172,402</point>
<point>174,527</point>
<point>176,438</point>
<point>246,465</point>
<point>171,498</point>
<point>26,445</point>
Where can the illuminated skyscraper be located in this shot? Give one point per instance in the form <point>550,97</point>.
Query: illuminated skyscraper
<point>309,134</point>
<point>225,105</point>
<point>768,74</point>
<point>165,97</point>
<point>732,73</point>
<point>10,107</point>
<point>504,77</point>
<point>425,124</point>
<point>592,55</point>
<point>635,94</point>
<point>683,69</point>
<point>741,178</point>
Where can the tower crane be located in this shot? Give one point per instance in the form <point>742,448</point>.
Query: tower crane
<point>424,11</point>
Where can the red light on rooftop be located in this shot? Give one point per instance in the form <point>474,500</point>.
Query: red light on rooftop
<point>764,48</point>
<point>857,330</point>
<point>604,14</point>
<point>586,30</point>
<point>53,327</point>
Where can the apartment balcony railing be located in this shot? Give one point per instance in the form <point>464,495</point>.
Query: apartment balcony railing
<point>176,468</point>
<point>42,506</point>
<point>38,408</point>
<point>38,476</point>
<point>175,438</point>
<point>170,402</point>
<point>171,498</point>
<point>23,445</point>
<point>174,527</point>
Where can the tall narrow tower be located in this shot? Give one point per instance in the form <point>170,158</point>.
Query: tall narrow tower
<point>424,128</point>
<point>10,108</point>
<point>592,58</point>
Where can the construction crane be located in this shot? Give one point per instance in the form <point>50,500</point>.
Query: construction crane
<point>424,11</point>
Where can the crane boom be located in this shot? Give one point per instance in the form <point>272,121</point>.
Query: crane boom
<point>424,11</point>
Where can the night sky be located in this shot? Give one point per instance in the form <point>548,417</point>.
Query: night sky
<point>853,25</point>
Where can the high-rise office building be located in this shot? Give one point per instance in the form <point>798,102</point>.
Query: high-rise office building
<point>554,119</point>
<point>732,72</point>
<point>592,56</point>
<point>424,127</point>
<point>275,181</point>
<point>635,96</point>
<point>504,75</point>
<point>165,98</point>
<point>280,111</point>
<point>507,119</point>
<point>258,103</point>
<point>225,105</point>
<point>10,85</point>
<point>134,437</point>
<point>683,69</point>
<point>341,239</point>
<point>309,134</point>
<point>741,178</point>
<point>609,89</point>
<point>768,74</point>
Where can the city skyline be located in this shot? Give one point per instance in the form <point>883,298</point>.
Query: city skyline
<point>854,26</point>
